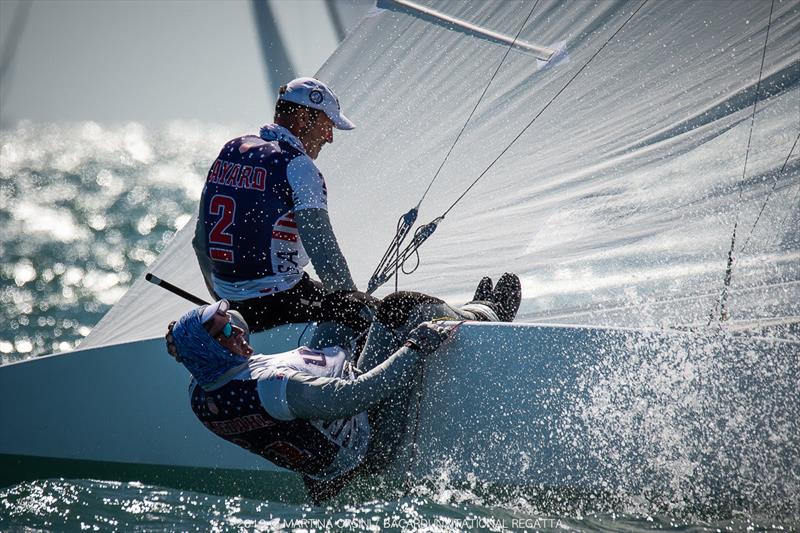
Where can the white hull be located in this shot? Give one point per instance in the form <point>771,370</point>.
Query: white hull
<point>126,403</point>
<point>500,404</point>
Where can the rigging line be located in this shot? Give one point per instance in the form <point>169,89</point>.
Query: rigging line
<point>790,207</point>
<point>406,221</point>
<point>543,109</point>
<point>753,115</point>
<point>480,99</point>
<point>774,185</point>
<point>427,230</point>
<point>723,297</point>
<point>390,249</point>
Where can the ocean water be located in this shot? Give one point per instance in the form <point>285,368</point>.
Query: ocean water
<point>94,505</point>
<point>85,208</point>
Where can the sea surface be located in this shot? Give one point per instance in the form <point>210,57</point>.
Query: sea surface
<point>96,505</point>
<point>85,208</point>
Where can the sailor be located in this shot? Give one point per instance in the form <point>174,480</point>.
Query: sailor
<point>317,409</point>
<point>264,214</point>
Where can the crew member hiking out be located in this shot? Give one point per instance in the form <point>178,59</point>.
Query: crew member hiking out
<point>264,214</point>
<point>324,411</point>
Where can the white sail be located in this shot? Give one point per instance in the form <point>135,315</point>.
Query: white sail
<point>615,207</point>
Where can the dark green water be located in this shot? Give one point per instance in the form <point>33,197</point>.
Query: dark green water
<point>84,209</point>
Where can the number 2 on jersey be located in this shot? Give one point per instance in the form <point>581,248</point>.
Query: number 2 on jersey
<point>223,207</point>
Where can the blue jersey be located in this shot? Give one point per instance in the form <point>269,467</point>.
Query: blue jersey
<point>252,192</point>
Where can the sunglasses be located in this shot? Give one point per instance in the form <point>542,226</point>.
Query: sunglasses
<point>222,310</point>
<point>227,331</point>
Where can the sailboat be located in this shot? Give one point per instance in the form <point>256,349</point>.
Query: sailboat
<point>622,130</point>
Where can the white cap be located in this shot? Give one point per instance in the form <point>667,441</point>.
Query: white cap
<point>220,307</point>
<point>313,93</point>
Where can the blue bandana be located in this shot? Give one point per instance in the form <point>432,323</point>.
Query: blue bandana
<point>274,132</point>
<point>200,353</point>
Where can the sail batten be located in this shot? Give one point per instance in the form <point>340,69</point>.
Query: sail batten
<point>543,53</point>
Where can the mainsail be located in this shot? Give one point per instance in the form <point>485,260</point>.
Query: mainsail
<point>615,208</point>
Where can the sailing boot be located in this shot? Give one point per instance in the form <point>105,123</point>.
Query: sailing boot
<point>484,290</point>
<point>482,308</point>
<point>507,295</point>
